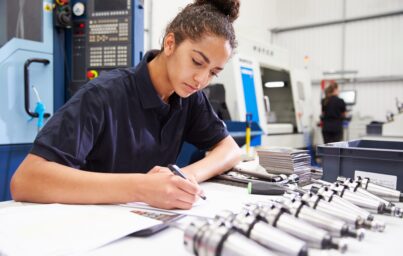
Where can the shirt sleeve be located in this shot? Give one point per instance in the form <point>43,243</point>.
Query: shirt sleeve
<point>343,107</point>
<point>68,136</point>
<point>204,128</point>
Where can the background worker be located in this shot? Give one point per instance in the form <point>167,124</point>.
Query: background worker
<point>333,114</point>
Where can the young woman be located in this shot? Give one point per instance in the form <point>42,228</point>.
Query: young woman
<point>333,114</point>
<point>111,142</point>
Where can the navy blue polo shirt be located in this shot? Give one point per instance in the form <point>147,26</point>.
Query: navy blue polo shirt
<point>118,123</point>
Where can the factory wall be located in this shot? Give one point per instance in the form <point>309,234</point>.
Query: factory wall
<point>255,15</point>
<point>371,47</point>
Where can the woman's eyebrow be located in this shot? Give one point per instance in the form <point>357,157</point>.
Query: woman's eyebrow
<point>205,58</point>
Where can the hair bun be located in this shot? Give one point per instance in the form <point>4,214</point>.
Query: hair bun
<point>229,8</point>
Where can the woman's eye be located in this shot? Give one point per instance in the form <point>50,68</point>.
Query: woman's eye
<point>196,62</point>
<point>213,74</point>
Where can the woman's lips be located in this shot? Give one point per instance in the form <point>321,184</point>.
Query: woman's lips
<point>190,88</point>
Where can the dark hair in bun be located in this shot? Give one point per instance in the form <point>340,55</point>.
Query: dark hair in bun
<point>229,8</point>
<point>205,17</point>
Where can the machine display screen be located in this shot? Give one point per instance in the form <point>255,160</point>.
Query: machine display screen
<point>108,5</point>
<point>349,96</point>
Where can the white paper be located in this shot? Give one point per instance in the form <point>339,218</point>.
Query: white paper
<point>231,198</point>
<point>386,180</point>
<point>56,229</point>
<point>205,209</point>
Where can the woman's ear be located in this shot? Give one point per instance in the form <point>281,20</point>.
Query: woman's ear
<point>169,44</point>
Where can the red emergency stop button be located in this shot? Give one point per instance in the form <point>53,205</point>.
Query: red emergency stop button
<point>91,74</point>
<point>62,2</point>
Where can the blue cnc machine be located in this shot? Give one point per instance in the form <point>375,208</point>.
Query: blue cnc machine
<point>48,49</point>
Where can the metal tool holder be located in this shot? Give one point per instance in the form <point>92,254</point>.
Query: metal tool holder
<point>302,219</point>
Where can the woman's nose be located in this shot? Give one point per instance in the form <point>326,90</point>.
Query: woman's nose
<point>200,78</point>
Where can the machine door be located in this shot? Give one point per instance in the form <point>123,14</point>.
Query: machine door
<point>248,83</point>
<point>26,38</point>
<point>302,96</point>
<point>26,35</point>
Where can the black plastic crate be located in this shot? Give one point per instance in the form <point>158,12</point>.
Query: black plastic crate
<point>374,128</point>
<point>344,158</point>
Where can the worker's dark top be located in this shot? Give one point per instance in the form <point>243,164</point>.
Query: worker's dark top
<point>118,123</point>
<point>332,116</point>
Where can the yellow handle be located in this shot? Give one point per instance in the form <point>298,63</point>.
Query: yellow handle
<point>247,140</point>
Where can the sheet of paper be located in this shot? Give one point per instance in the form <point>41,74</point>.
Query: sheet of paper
<point>205,209</point>
<point>232,199</point>
<point>56,229</point>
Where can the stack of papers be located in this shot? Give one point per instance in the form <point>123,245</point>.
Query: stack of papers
<point>316,173</point>
<point>286,161</point>
<point>56,229</point>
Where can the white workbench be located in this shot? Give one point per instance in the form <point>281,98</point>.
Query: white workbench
<point>170,241</point>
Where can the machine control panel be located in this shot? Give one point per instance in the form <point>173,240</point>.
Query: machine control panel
<point>101,39</point>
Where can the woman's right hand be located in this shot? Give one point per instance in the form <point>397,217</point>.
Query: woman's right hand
<point>163,189</point>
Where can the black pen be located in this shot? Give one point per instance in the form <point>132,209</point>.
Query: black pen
<point>177,171</point>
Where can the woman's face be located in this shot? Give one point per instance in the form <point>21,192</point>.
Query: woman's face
<point>336,91</point>
<point>192,65</point>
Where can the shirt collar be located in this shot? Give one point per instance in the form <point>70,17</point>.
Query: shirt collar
<point>149,97</point>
